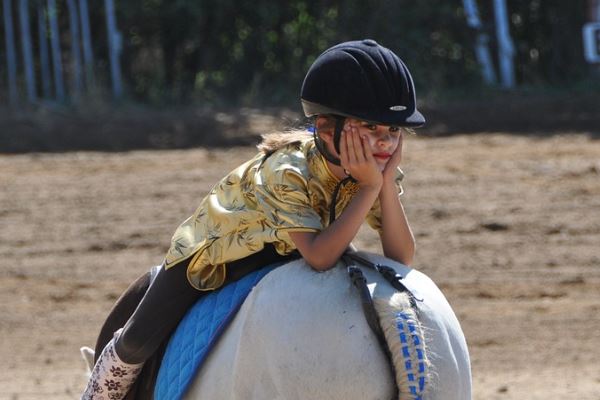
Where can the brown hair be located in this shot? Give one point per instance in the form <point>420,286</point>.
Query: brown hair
<point>271,142</point>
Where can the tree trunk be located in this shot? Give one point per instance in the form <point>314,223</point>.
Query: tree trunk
<point>56,55</point>
<point>594,10</point>
<point>88,56</point>
<point>75,49</point>
<point>114,48</point>
<point>506,50</point>
<point>27,51</point>
<point>594,39</point>
<point>482,51</point>
<point>44,56</point>
<point>11,58</point>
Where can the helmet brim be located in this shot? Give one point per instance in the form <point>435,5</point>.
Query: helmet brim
<point>404,118</point>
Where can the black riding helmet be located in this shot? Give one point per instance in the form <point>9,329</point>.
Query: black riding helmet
<point>362,80</point>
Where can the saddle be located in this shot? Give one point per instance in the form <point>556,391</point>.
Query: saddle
<point>167,374</point>
<point>198,332</point>
<point>242,276</point>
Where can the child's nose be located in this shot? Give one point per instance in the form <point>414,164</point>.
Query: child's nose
<point>384,139</point>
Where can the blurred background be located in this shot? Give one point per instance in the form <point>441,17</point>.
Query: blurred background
<point>117,117</point>
<point>165,70</point>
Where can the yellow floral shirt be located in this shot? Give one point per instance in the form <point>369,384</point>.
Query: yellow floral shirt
<point>260,202</point>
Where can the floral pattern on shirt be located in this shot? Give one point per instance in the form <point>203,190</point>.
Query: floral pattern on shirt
<point>257,203</point>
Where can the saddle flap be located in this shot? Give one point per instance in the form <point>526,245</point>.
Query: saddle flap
<point>197,334</point>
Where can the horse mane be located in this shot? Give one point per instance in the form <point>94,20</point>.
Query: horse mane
<point>405,338</point>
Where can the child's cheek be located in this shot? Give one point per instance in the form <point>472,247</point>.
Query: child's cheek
<point>372,142</point>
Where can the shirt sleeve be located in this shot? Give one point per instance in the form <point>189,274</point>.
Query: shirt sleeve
<point>282,192</point>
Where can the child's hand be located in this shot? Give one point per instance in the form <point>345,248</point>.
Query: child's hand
<point>389,172</point>
<point>356,158</point>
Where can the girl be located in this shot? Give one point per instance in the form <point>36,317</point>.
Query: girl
<point>301,193</point>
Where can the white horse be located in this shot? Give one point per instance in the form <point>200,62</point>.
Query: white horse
<point>303,335</point>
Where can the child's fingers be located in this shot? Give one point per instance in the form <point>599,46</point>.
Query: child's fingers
<point>361,147</point>
<point>368,155</point>
<point>344,149</point>
<point>353,146</point>
<point>395,160</point>
<point>397,155</point>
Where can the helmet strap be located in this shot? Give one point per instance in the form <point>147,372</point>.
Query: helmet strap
<point>337,135</point>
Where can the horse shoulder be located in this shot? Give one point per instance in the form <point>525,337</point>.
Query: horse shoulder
<point>299,335</point>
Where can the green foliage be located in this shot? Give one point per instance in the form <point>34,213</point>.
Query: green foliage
<point>548,40</point>
<point>256,52</point>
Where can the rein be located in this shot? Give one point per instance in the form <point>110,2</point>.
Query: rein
<point>351,260</point>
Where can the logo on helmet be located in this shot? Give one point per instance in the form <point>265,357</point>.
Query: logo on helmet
<point>397,108</point>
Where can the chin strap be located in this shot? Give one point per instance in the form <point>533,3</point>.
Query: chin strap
<point>323,150</point>
<point>337,133</point>
<point>337,136</point>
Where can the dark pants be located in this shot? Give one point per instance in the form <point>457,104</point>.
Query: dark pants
<point>167,300</point>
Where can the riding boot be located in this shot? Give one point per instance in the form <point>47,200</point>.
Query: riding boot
<point>111,378</point>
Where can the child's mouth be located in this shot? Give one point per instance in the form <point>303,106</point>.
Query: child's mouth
<point>382,156</point>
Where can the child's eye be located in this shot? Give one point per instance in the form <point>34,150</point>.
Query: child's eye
<point>394,129</point>
<point>371,127</point>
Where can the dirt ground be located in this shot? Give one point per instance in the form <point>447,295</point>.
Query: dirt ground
<point>507,225</point>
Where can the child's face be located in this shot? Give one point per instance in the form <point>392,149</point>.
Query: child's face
<point>383,140</point>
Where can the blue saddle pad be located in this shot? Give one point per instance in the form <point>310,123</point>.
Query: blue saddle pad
<point>197,334</point>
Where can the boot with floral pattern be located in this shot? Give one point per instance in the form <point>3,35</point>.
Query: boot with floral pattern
<point>111,378</point>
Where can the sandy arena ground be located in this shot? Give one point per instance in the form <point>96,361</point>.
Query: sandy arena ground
<point>508,226</point>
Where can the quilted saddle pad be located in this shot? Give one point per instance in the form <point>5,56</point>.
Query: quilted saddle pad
<point>198,332</point>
